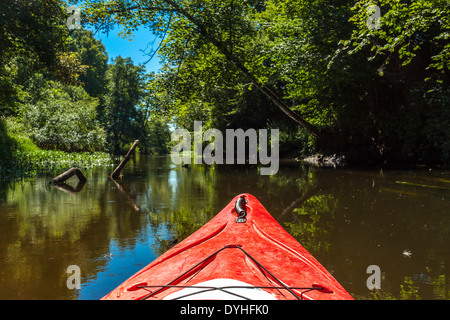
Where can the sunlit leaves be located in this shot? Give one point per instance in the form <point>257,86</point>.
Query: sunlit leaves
<point>124,91</point>
<point>64,118</point>
<point>405,28</point>
<point>32,34</point>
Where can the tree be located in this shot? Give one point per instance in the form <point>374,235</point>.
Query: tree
<point>380,92</point>
<point>404,77</point>
<point>206,22</point>
<point>63,118</point>
<point>293,46</point>
<point>124,90</point>
<point>32,33</point>
<point>286,45</point>
<point>92,54</point>
<point>158,135</point>
<point>409,29</point>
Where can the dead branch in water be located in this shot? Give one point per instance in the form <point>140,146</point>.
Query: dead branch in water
<point>116,174</point>
<point>69,173</point>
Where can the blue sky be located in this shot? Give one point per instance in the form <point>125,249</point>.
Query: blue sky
<point>116,46</point>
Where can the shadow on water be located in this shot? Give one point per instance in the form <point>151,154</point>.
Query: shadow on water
<point>347,219</point>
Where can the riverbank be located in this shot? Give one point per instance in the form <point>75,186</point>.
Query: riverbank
<point>20,157</point>
<point>366,159</point>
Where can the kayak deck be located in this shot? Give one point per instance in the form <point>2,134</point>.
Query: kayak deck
<point>242,253</point>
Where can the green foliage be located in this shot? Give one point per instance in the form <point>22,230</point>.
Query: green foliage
<point>32,33</point>
<point>294,43</point>
<point>64,118</point>
<point>21,157</point>
<point>248,64</point>
<point>409,29</point>
<point>400,77</point>
<point>63,94</point>
<point>158,135</point>
<point>213,32</point>
<point>423,132</point>
<point>93,55</point>
<point>124,91</point>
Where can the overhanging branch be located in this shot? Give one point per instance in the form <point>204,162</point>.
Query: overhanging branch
<point>174,7</point>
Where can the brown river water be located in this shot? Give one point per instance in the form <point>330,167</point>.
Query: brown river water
<point>348,219</point>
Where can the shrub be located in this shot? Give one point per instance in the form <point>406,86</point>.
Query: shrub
<point>64,118</point>
<point>21,157</point>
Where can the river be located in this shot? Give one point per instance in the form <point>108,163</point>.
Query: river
<point>348,219</point>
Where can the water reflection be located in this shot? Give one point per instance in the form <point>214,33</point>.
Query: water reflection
<point>68,188</point>
<point>347,219</point>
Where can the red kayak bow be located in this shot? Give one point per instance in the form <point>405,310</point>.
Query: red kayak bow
<point>242,253</point>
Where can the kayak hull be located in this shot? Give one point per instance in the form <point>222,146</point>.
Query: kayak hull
<point>236,255</point>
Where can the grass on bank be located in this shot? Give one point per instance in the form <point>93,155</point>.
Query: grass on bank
<point>21,157</point>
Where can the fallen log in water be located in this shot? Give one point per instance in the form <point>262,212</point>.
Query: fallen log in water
<point>69,173</point>
<point>117,172</point>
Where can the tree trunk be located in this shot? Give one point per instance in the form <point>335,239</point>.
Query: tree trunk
<point>116,174</point>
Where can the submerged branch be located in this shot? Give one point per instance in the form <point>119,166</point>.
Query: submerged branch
<point>116,174</point>
<point>68,174</point>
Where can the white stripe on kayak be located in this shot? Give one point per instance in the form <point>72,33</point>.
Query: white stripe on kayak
<point>193,293</point>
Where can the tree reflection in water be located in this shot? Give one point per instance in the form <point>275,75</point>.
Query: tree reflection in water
<point>347,219</point>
